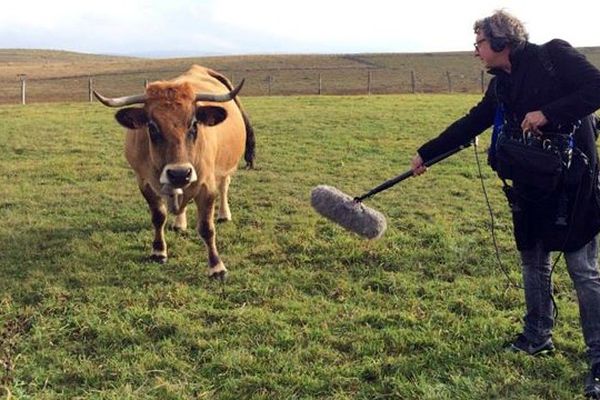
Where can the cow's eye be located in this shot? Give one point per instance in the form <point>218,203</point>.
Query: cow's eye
<point>192,132</point>
<point>154,132</point>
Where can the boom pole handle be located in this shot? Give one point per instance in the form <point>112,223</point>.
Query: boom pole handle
<point>391,182</point>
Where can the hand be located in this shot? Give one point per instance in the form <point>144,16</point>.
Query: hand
<point>533,121</point>
<point>417,165</point>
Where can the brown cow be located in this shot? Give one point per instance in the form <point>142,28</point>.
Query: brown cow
<point>184,144</point>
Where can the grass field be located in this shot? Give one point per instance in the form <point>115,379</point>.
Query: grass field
<point>309,312</point>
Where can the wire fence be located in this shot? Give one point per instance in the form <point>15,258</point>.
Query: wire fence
<point>72,79</point>
<point>258,82</point>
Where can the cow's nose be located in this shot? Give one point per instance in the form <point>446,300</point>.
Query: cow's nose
<point>179,177</point>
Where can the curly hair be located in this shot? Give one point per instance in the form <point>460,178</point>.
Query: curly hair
<point>502,27</point>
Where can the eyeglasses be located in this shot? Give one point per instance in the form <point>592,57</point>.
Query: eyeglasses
<point>477,43</point>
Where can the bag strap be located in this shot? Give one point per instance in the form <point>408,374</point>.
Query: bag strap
<point>549,67</point>
<point>546,61</point>
<point>498,125</point>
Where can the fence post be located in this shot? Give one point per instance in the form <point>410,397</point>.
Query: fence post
<point>482,82</point>
<point>23,78</point>
<point>91,89</point>
<point>369,84</point>
<point>270,81</point>
<point>449,81</point>
<point>413,81</point>
<point>320,84</point>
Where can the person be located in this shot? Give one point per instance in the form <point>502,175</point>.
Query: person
<point>541,89</point>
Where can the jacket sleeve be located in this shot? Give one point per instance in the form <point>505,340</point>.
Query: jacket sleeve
<point>463,130</point>
<point>581,82</point>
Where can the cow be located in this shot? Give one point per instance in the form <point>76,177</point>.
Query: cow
<point>183,144</point>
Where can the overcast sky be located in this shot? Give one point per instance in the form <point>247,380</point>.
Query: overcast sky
<point>198,27</point>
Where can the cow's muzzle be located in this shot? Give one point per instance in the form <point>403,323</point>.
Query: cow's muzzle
<point>178,175</point>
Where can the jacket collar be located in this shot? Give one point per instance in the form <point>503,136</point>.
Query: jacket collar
<point>515,57</point>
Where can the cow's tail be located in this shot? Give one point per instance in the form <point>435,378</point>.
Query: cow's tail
<point>250,152</point>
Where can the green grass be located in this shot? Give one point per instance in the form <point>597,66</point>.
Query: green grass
<point>309,311</point>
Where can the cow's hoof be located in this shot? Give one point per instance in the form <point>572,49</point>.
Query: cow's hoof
<point>178,229</point>
<point>179,225</point>
<point>158,258</point>
<point>218,272</point>
<point>219,276</point>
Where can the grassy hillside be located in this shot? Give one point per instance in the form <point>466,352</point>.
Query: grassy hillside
<point>309,312</point>
<point>63,76</point>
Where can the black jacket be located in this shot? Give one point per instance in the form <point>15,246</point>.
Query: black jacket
<point>566,89</point>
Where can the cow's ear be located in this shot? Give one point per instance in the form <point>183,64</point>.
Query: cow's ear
<point>211,115</point>
<point>132,117</point>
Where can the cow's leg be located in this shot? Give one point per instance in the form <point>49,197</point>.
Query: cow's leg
<point>205,203</point>
<point>158,210</point>
<point>180,223</point>
<point>224,212</point>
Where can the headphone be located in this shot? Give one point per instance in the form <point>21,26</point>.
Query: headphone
<point>496,43</point>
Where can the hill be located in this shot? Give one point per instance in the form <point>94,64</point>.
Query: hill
<point>63,76</point>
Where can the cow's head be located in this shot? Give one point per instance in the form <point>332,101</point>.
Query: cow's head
<point>171,117</point>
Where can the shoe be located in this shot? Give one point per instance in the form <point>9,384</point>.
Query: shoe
<point>522,345</point>
<point>592,383</point>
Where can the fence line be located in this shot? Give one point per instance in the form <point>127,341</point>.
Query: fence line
<point>292,81</point>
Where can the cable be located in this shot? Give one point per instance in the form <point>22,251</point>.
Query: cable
<point>492,222</point>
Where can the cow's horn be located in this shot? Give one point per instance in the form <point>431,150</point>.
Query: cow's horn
<point>121,101</point>
<point>220,98</point>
